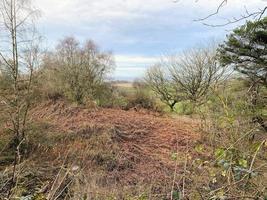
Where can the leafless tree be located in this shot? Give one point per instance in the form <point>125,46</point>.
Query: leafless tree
<point>190,76</point>
<point>195,72</point>
<point>80,68</point>
<point>160,83</point>
<point>18,57</point>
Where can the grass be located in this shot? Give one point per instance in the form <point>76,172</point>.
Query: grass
<point>94,151</point>
<point>91,161</point>
<point>126,88</point>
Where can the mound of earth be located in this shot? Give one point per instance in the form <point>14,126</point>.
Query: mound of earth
<point>146,141</point>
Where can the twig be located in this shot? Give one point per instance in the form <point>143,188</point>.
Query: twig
<point>234,20</point>
<point>175,170</point>
<point>224,2</point>
<point>185,169</point>
<point>255,155</point>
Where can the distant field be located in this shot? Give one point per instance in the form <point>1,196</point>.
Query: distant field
<point>124,85</point>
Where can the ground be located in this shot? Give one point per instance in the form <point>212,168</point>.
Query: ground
<point>142,145</point>
<point>77,152</point>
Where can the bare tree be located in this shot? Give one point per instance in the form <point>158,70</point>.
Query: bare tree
<point>81,69</point>
<point>18,54</point>
<point>195,72</point>
<point>190,76</point>
<point>161,84</point>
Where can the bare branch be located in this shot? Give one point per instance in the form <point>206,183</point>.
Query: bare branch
<point>223,3</point>
<point>247,15</point>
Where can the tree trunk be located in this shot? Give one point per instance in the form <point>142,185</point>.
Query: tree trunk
<point>172,105</point>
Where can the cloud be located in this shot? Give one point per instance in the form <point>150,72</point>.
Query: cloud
<point>135,60</point>
<point>129,21</point>
<point>131,66</point>
<point>97,10</point>
<point>137,27</point>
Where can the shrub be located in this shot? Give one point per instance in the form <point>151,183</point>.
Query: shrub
<point>236,145</point>
<point>142,98</point>
<point>76,71</point>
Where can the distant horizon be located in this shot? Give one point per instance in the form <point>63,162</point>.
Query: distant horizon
<point>123,78</point>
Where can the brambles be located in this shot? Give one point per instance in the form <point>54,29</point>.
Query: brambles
<point>232,150</point>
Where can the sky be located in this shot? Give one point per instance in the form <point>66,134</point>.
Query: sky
<point>138,32</point>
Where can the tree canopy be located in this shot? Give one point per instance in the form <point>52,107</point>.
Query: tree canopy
<point>80,69</point>
<point>246,50</point>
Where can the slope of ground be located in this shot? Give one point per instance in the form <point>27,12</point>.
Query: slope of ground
<point>155,136</point>
<point>149,131</point>
<point>146,141</point>
<point>106,153</point>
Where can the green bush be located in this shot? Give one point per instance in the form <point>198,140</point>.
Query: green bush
<point>142,97</point>
<point>184,108</point>
<point>78,71</point>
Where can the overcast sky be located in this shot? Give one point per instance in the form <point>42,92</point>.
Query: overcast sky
<point>138,32</point>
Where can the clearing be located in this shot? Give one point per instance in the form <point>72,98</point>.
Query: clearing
<point>117,152</point>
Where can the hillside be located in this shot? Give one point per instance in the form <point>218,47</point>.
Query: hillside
<point>128,149</point>
<point>126,100</point>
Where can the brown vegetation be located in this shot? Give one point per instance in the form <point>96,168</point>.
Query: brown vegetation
<point>69,133</point>
<point>125,149</point>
